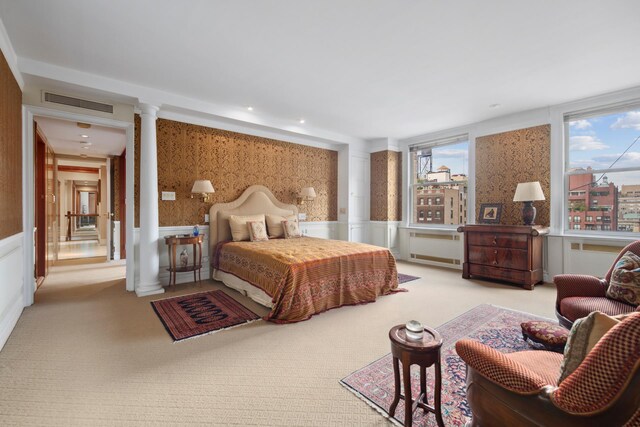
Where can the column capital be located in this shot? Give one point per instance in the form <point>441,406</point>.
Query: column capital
<point>148,109</point>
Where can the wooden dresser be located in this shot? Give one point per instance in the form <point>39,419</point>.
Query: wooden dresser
<point>512,253</point>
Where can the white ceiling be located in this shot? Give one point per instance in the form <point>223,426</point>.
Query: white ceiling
<point>65,138</point>
<point>363,68</point>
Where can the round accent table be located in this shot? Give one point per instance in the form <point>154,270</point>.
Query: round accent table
<point>424,352</point>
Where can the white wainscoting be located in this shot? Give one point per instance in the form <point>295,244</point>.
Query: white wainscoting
<point>11,271</point>
<point>385,234</point>
<point>587,255</point>
<point>439,247</point>
<point>321,229</point>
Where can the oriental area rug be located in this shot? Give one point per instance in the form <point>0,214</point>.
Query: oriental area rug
<point>194,315</point>
<point>494,326</point>
<point>404,278</point>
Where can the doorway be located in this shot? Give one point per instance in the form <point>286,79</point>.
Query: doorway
<point>76,209</point>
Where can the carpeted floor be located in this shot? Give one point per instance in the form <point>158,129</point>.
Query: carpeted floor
<point>89,353</point>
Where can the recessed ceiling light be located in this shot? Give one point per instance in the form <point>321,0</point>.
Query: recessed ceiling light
<point>83,155</point>
<point>494,106</point>
<point>84,136</point>
<point>301,121</point>
<point>250,108</point>
<point>86,148</point>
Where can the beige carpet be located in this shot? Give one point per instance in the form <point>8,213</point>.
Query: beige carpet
<point>88,353</point>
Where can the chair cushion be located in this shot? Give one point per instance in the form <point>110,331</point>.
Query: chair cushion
<point>576,307</point>
<point>584,335</point>
<point>544,363</point>
<point>550,335</point>
<point>625,280</point>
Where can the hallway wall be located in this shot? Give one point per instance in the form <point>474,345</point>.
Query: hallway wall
<point>11,237</point>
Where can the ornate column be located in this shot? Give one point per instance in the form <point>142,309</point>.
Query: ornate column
<point>149,260</point>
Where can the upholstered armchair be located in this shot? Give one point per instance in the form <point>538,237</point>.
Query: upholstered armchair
<point>520,389</point>
<point>579,294</point>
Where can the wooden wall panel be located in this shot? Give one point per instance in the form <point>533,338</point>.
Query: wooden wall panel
<point>386,186</point>
<point>503,160</point>
<point>233,162</point>
<point>10,152</point>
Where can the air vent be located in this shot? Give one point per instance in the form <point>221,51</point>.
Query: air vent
<point>78,103</point>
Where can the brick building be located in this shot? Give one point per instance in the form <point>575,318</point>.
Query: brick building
<point>592,206</point>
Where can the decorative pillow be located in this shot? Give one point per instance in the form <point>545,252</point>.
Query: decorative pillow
<point>584,335</point>
<point>257,231</point>
<point>274,224</point>
<point>239,228</point>
<point>625,280</point>
<point>291,229</point>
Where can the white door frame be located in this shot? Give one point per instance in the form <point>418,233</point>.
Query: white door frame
<point>28,188</point>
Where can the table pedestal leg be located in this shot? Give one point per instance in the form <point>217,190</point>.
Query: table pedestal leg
<point>408,402</point>
<point>436,391</point>
<point>396,381</point>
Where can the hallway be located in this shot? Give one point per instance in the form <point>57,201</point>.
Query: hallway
<point>81,249</point>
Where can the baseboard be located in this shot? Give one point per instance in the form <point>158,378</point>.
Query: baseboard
<point>10,319</point>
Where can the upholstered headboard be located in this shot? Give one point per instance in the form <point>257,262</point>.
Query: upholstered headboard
<point>255,200</point>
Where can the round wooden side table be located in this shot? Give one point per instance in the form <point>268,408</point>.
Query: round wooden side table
<point>424,352</point>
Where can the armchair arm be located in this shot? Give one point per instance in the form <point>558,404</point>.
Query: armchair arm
<point>579,285</point>
<point>499,369</point>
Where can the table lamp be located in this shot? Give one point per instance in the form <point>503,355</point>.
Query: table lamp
<point>528,192</point>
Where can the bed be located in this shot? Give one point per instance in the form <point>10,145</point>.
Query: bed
<point>295,278</point>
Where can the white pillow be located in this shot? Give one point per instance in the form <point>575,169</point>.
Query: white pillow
<point>239,228</point>
<point>274,224</point>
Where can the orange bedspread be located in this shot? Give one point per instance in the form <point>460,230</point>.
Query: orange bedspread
<point>307,276</point>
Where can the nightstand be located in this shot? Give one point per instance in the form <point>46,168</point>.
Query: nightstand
<point>173,242</point>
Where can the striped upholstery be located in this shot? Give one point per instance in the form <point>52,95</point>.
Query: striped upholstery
<point>579,295</point>
<point>577,307</point>
<point>605,372</point>
<point>501,369</point>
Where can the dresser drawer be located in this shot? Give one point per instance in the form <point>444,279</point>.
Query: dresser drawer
<point>500,240</point>
<point>499,257</point>
<point>517,276</point>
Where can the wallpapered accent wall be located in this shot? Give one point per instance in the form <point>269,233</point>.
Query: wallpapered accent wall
<point>505,159</point>
<point>10,152</point>
<point>386,186</point>
<point>233,162</point>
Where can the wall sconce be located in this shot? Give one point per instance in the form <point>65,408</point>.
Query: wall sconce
<point>202,188</point>
<point>527,192</point>
<point>307,194</point>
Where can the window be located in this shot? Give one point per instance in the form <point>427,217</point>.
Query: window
<point>439,173</point>
<point>602,169</point>
<point>576,226</point>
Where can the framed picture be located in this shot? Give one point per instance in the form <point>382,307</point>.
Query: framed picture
<point>490,213</point>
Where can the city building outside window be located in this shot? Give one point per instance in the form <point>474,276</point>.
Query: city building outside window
<point>602,170</point>
<point>439,171</point>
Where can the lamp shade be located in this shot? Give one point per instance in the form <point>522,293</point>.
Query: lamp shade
<point>528,192</point>
<point>202,186</point>
<point>308,193</point>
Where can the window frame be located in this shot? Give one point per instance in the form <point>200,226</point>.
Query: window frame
<point>411,202</point>
<point>567,222</point>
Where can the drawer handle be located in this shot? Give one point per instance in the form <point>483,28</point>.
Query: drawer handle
<point>495,252</point>
<point>495,240</point>
<point>495,262</point>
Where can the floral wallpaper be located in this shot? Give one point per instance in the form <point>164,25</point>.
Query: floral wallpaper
<point>505,159</point>
<point>386,186</point>
<point>10,152</point>
<point>233,162</point>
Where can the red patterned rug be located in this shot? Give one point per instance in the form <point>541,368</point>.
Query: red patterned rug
<point>189,316</point>
<point>404,278</point>
<point>494,326</point>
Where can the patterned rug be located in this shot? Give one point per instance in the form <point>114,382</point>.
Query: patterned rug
<point>494,326</point>
<point>190,316</point>
<point>404,278</point>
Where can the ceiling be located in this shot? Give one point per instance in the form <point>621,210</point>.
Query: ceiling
<point>65,137</point>
<point>362,68</point>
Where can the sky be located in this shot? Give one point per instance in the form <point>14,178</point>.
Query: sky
<point>599,141</point>
<point>454,156</point>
